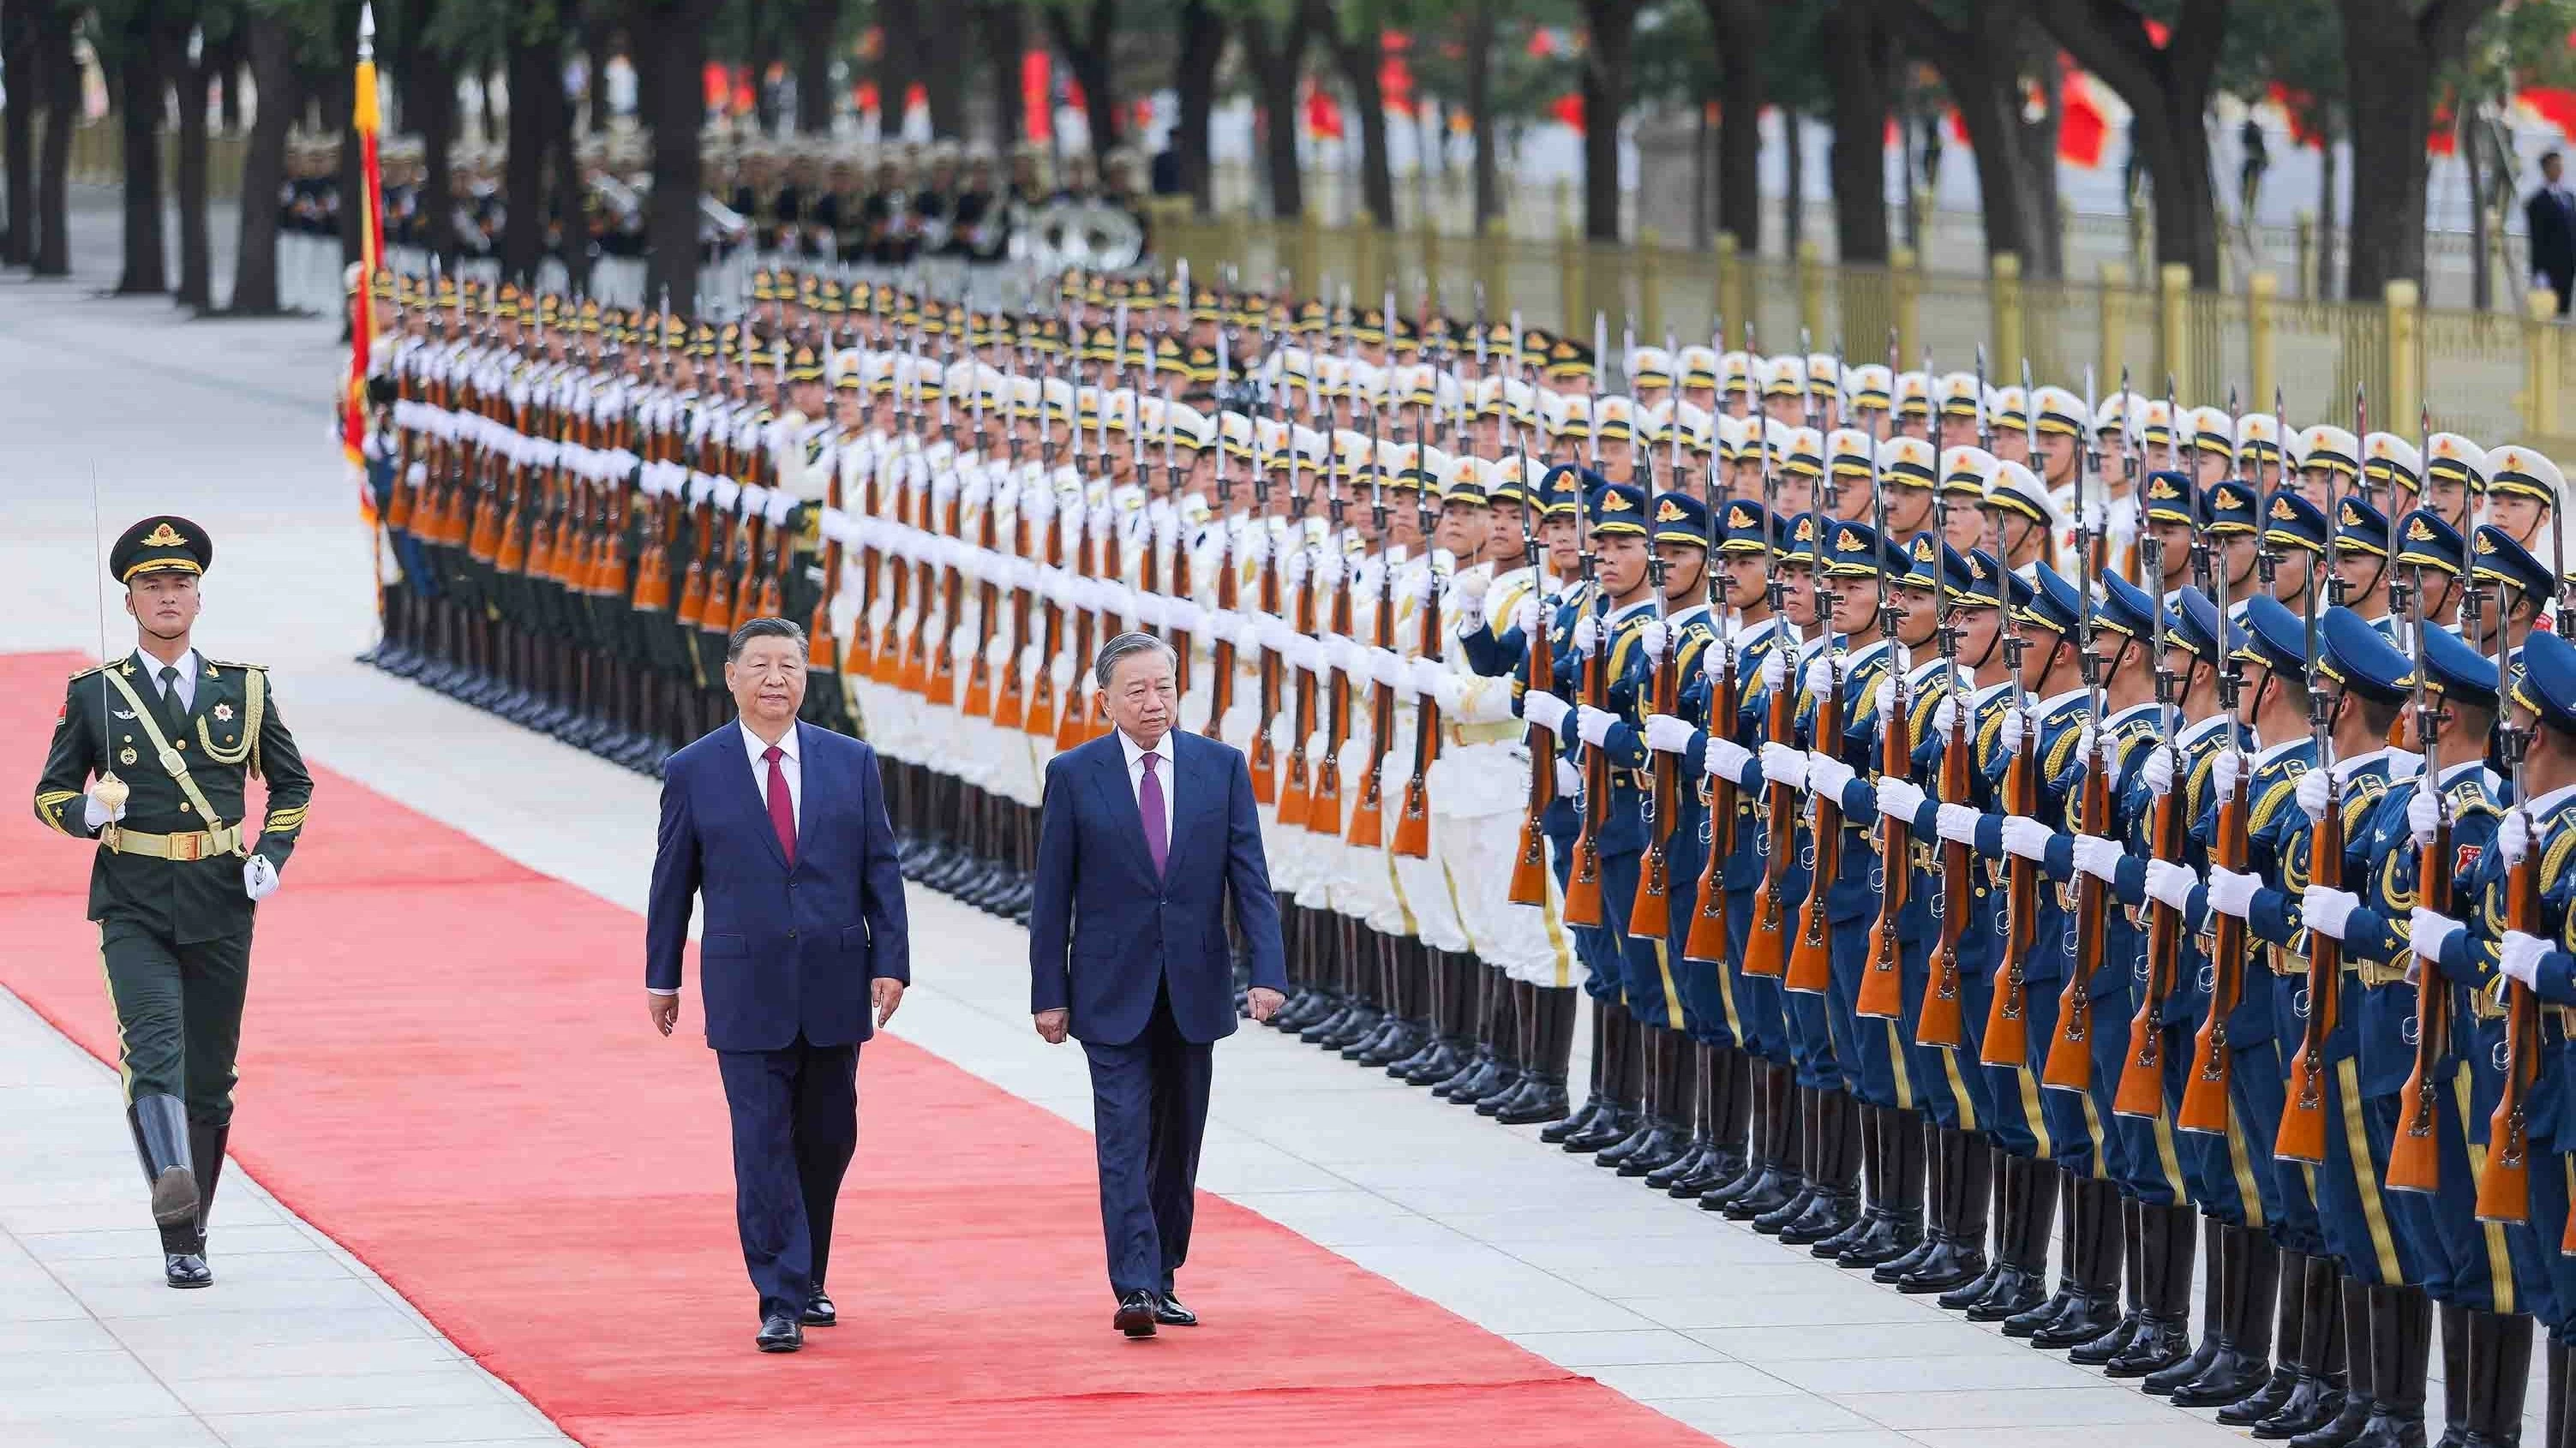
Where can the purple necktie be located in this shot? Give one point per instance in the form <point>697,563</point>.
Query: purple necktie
<point>1149,799</point>
<point>782,807</point>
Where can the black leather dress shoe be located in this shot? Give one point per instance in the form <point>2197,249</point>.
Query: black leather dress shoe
<point>819,1311</point>
<point>779,1333</point>
<point>186,1269</point>
<point>1137,1311</point>
<point>1170,1313</point>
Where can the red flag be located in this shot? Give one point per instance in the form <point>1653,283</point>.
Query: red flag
<point>1567,109</point>
<point>2080,127</point>
<point>2555,106</point>
<point>2300,108</point>
<point>1323,114</point>
<point>1037,88</point>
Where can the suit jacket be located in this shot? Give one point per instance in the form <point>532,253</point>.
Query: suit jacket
<point>785,950</point>
<point>2552,229</point>
<point>1105,933</point>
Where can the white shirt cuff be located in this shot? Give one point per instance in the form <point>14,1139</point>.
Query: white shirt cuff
<point>657,990</point>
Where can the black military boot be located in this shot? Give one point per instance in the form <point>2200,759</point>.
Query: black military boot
<point>1596,1099</point>
<point>1784,1167</point>
<point>162,1144</point>
<point>1760,1138</point>
<point>1405,970</point>
<point>2361,1384</point>
<point>2264,1391</point>
<point>1837,1197</point>
<point>1518,1032</point>
<point>1955,1256</point>
<point>1642,1113</point>
<point>2455,1375</point>
<point>2021,1278</point>
<point>2317,1390</point>
<point>1485,1012</point>
<point>1692,1111</point>
<point>2095,1310</point>
<point>1812,1163</point>
<point>1936,1218</point>
<point>1548,1042</point>
<point>1668,1105</point>
<point>206,1150</point>
<point>2069,1252</point>
<point>2213,1317</point>
<point>1448,1014</point>
<point>2098,1351</point>
<point>2401,1340</point>
<point>1622,1078</point>
<point>2003,1179</point>
<point>2163,1338</point>
<point>1730,1107</point>
<point>1873,1183</point>
<point>2499,1374</point>
<point>1898,1232</point>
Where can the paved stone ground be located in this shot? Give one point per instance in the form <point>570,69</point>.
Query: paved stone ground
<point>227,423</point>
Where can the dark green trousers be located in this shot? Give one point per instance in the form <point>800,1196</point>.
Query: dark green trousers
<point>178,1014</point>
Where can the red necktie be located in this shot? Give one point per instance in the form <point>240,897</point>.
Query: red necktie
<point>782,808</point>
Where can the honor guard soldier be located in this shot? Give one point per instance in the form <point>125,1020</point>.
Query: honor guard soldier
<point>151,757</point>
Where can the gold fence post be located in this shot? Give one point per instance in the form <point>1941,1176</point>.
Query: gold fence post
<point>2405,350</point>
<point>1310,251</point>
<point>2540,364</point>
<point>1905,301</point>
<point>2173,331</point>
<point>1427,239</point>
<point>1569,281</point>
<point>2263,334</point>
<point>1811,291</point>
<point>2114,299</point>
<point>1650,312</point>
<point>2307,235</point>
<point>2006,295</point>
<point>1729,264</point>
<point>1489,272</point>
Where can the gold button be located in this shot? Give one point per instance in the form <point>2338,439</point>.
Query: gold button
<point>179,744</point>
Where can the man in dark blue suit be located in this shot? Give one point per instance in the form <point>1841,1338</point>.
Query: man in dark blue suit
<point>1147,835</point>
<point>781,827</point>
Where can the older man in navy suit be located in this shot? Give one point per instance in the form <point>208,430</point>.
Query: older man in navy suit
<point>781,827</point>
<point>1147,835</point>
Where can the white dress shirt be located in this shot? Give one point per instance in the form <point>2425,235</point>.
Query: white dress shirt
<point>758,748</point>
<point>185,684</point>
<point>1162,750</point>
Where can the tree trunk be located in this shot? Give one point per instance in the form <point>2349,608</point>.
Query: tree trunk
<point>196,265</point>
<point>675,108</point>
<point>2326,166</point>
<point>1793,213</point>
<point>1360,57</point>
<point>1276,51</point>
<point>230,57</point>
<point>1980,66</point>
<point>818,36</point>
<point>140,105</point>
<point>272,67</point>
<point>430,91</point>
<point>2391,53</point>
<point>2036,159</point>
<point>1608,70</point>
<point>571,191</point>
<point>764,58</point>
<point>1005,35</point>
<point>943,78</point>
<point>18,131</point>
<point>2168,88</point>
<point>1480,110</point>
<point>2464,140</point>
<point>1202,49</point>
<point>1738,26</point>
<point>523,173</point>
<point>1086,52</point>
<point>58,85</point>
<point>1858,72</point>
<point>597,49</point>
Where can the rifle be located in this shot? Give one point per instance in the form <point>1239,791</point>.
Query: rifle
<point>2504,1187</point>
<point>1324,805</point>
<point>2204,1096</point>
<point>2141,1088</point>
<point>1811,959</point>
<point>2302,1135</point>
<point>1229,591</point>
<point>1583,904</point>
<point>1265,753</point>
<point>1413,821</point>
<point>2414,1155</point>
<point>2070,1057</point>
<point>1706,943</point>
<point>1942,1018</point>
<point>1297,796</point>
<point>1040,718</point>
<point>1650,913</point>
<point>1766,944</point>
<point>988,594</point>
<point>1881,985</point>
<point>2007,1040</point>
<point>1010,693</point>
<point>942,663</point>
<point>1368,817</point>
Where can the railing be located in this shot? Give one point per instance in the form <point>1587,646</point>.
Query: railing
<point>98,156</point>
<point>2491,376</point>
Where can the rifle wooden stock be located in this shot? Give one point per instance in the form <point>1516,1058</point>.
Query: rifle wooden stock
<point>2504,1188</point>
<point>1766,946</point>
<point>1296,796</point>
<point>1706,943</point>
<point>1583,884</point>
<point>2070,1056</point>
<point>2141,1091</point>
<point>2415,1154</point>
<point>2007,1040</point>
<point>1368,817</point>
<point>1040,722</point>
<point>1810,969</point>
<point>988,600</point>
<point>1651,916</point>
<point>1413,819</point>
<point>1221,652</point>
<point>2302,1136</point>
<point>1010,696</point>
<point>1942,1020</point>
<point>942,664</point>
<point>1882,992</point>
<point>1530,880</point>
<point>1324,803</point>
<point>2204,1094</point>
<point>1264,761</point>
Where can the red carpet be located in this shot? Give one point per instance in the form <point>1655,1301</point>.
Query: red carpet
<point>445,1067</point>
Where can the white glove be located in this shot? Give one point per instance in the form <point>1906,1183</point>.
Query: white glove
<point>2429,931</point>
<point>1945,716</point>
<point>2513,836</point>
<point>1728,759</point>
<point>1712,662</point>
<point>1569,780</point>
<point>1885,698</point>
<point>1668,734</point>
<point>1783,764</point>
<point>1775,670</point>
<point>1825,672</point>
<point>2170,884</point>
<point>1276,635</point>
<point>2026,837</point>
<point>1415,588</point>
<point>2423,815</point>
<point>2084,740</point>
<point>1525,617</point>
<point>1545,710</point>
<point>2098,857</point>
<point>95,814</point>
<point>1956,823</point>
<point>1151,609</point>
<point>1302,651</point>
<point>1183,615</point>
<point>1900,799</point>
<point>1467,612</point>
<point>259,878</point>
<point>2222,773</point>
<point>1587,631</point>
<point>1427,676</point>
<point>1388,668</point>
<point>2231,892</point>
<point>1592,726</point>
<point>2326,909</point>
<point>1827,775</point>
<point>2518,957</point>
<point>1443,688</point>
<point>2158,771</point>
<point>1652,637</point>
<point>2314,793</point>
<point>2008,735</point>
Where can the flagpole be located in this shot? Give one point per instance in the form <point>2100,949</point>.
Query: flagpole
<point>365,120</point>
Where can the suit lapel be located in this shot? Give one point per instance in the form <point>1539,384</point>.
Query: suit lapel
<point>1203,791</point>
<point>751,789</point>
<point>1118,797</point>
<point>816,790</point>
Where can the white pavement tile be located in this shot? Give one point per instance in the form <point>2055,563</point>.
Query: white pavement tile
<point>2105,1404</point>
<point>1731,1419</point>
<point>396,1427</point>
<point>1592,1351</point>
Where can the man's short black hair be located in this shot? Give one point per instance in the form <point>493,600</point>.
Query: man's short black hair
<point>763,628</point>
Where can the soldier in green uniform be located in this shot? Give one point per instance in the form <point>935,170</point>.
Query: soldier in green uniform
<point>173,738</point>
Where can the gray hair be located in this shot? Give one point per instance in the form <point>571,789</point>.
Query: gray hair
<point>764,628</point>
<point>1118,649</point>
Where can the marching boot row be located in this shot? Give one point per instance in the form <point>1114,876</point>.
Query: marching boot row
<point>578,692</point>
<point>963,841</point>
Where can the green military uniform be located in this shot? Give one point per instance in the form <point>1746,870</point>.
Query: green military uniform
<point>168,887</point>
